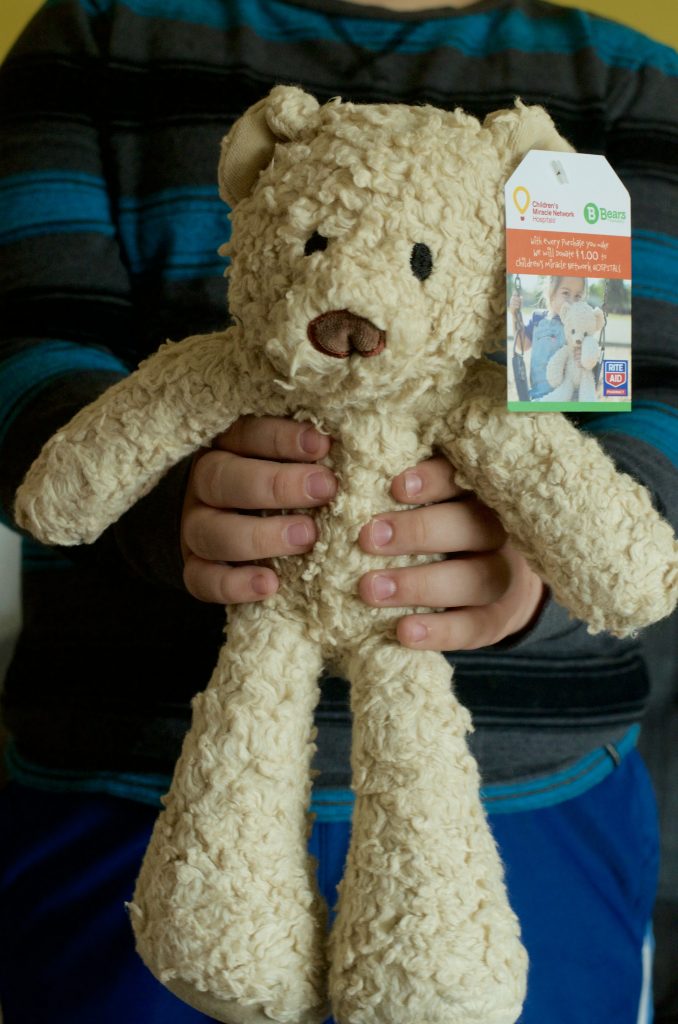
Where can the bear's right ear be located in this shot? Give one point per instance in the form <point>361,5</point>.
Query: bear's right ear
<point>517,131</point>
<point>248,148</point>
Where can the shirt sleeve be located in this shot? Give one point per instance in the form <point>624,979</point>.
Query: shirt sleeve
<point>67,313</point>
<point>642,146</point>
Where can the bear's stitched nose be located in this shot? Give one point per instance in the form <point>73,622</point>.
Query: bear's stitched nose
<point>340,332</point>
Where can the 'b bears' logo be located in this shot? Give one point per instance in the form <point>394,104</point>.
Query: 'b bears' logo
<point>591,213</point>
<point>615,377</point>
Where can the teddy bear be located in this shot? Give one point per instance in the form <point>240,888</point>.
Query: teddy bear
<point>569,371</point>
<point>366,287</point>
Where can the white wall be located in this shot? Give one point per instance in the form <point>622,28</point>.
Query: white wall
<point>10,615</point>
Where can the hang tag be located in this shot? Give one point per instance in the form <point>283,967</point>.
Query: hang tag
<point>568,285</point>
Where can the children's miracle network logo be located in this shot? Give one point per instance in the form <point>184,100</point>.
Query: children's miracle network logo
<point>594,213</point>
<point>615,377</point>
<point>521,198</point>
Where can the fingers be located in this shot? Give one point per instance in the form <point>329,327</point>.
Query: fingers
<point>452,526</point>
<point>258,464</point>
<point>432,480</point>
<point>224,584</point>
<point>224,480</point>
<point>467,629</point>
<point>218,536</point>
<point>213,537</point>
<point>490,587</point>
<point>476,580</point>
<point>269,437</point>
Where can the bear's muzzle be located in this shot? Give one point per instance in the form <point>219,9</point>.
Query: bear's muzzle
<point>339,333</point>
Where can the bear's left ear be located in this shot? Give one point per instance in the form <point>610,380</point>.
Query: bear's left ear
<point>248,147</point>
<point>599,318</point>
<point>517,131</point>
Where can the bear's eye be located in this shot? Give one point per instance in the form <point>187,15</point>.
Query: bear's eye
<point>316,243</point>
<point>421,261</point>
<point>573,331</point>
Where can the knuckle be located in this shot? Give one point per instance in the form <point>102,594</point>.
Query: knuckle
<point>480,580</point>
<point>399,491</point>
<point>417,586</point>
<point>281,488</point>
<point>455,631</point>
<point>482,628</point>
<point>436,585</point>
<point>416,531</point>
<point>365,588</point>
<point>444,633</point>
<point>497,575</point>
<point>233,439</point>
<point>281,443</point>
<point>259,538</point>
<point>488,630</point>
<point>207,476</point>
<point>189,576</point>
<point>439,479</point>
<point>188,531</point>
<point>494,531</point>
<point>198,535</point>
<point>223,579</point>
<point>195,579</point>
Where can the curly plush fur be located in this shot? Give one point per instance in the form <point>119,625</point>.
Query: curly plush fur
<point>582,325</point>
<point>376,332</point>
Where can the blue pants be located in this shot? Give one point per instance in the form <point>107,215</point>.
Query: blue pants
<point>581,877</point>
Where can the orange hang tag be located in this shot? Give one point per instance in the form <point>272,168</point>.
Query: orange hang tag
<point>568,285</point>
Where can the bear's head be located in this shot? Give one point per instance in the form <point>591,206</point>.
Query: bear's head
<point>582,325</point>
<point>368,240</point>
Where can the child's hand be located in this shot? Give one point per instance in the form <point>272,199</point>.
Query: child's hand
<point>488,588</point>
<point>235,476</point>
<point>516,301</point>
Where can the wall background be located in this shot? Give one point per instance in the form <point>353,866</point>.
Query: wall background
<point>657,18</point>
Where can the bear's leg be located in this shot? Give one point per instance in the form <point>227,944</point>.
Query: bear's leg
<point>564,391</point>
<point>226,910</point>
<point>424,932</point>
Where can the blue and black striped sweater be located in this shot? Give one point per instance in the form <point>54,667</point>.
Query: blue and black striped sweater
<point>112,112</point>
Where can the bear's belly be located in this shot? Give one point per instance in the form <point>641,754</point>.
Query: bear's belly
<point>320,589</point>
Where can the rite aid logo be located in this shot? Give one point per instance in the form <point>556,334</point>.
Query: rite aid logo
<point>615,377</point>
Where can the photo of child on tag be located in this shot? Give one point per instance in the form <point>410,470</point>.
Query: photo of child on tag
<point>569,339</point>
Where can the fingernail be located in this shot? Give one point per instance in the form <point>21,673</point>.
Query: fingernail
<point>298,535</point>
<point>261,584</point>
<point>310,441</point>
<point>383,587</point>
<point>416,632</point>
<point>320,485</point>
<point>382,532</point>
<point>413,484</point>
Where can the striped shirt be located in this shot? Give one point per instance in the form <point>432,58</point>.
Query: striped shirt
<point>112,112</point>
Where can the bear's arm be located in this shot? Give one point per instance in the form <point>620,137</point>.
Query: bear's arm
<point>115,450</point>
<point>590,352</point>
<point>588,530</point>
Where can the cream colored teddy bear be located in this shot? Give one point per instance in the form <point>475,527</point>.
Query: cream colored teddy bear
<point>569,371</point>
<point>366,286</point>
